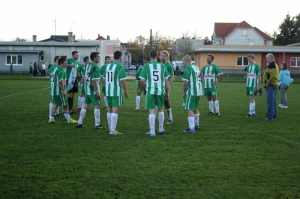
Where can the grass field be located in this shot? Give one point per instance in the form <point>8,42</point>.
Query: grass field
<point>230,157</point>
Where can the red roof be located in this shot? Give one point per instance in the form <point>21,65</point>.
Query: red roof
<point>100,37</point>
<point>264,35</point>
<point>224,29</point>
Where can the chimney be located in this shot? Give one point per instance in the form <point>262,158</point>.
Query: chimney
<point>70,37</point>
<point>108,37</point>
<point>34,38</point>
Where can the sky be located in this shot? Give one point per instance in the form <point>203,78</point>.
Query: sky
<point>126,19</point>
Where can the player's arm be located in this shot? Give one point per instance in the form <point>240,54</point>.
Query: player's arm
<point>258,81</point>
<point>167,84</point>
<point>124,85</point>
<point>185,87</point>
<point>62,88</point>
<point>96,89</point>
<point>171,79</point>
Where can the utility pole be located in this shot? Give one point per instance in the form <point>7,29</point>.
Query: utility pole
<point>54,25</point>
<point>150,39</point>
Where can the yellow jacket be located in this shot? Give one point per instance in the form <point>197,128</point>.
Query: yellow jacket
<point>271,72</point>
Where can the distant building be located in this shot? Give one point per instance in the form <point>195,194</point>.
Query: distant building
<point>235,57</point>
<point>22,53</point>
<point>239,34</point>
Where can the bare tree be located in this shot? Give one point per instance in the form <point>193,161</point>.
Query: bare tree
<point>182,47</point>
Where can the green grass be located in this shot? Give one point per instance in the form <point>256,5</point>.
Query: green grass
<point>230,157</point>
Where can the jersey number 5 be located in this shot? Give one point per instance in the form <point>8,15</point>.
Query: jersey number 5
<point>155,75</point>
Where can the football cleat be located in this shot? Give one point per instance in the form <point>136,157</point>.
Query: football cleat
<point>79,125</point>
<point>248,116</point>
<point>72,121</point>
<point>189,131</point>
<point>210,113</point>
<point>52,121</point>
<point>218,114</point>
<point>114,133</point>
<point>197,127</point>
<point>150,134</point>
<point>99,127</point>
<point>169,121</point>
<point>162,131</point>
<point>137,108</point>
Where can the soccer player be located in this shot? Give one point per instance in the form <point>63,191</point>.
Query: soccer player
<point>58,91</point>
<point>52,69</point>
<point>92,90</point>
<point>138,89</point>
<point>72,86</point>
<point>209,73</point>
<point>191,92</point>
<point>80,75</point>
<point>164,57</point>
<point>107,61</point>
<point>252,84</point>
<point>156,75</point>
<point>114,81</point>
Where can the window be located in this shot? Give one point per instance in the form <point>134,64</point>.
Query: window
<point>42,58</point>
<point>15,59</point>
<point>295,61</point>
<point>244,32</point>
<point>241,61</point>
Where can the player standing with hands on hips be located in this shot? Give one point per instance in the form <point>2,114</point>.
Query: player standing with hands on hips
<point>209,73</point>
<point>156,76</point>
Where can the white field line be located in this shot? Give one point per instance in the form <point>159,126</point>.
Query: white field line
<point>267,134</point>
<point>23,92</point>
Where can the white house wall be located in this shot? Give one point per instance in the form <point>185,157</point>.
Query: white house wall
<point>237,38</point>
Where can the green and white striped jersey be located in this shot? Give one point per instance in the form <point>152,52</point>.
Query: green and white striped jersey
<point>170,69</point>
<point>57,74</point>
<point>155,74</point>
<point>69,68</point>
<point>80,69</point>
<point>210,75</point>
<point>92,72</point>
<point>52,79</point>
<point>113,73</point>
<point>192,74</point>
<point>252,75</point>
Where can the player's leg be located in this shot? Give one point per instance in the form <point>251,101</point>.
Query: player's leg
<point>71,101</point>
<point>161,114</point>
<point>168,108</point>
<point>97,103</point>
<point>216,101</point>
<point>50,107</point>
<point>138,97</point>
<point>83,111</point>
<point>79,101</point>
<point>64,105</point>
<point>117,102</point>
<point>150,105</point>
<point>210,102</point>
<point>190,106</point>
<point>197,119</point>
<point>55,103</point>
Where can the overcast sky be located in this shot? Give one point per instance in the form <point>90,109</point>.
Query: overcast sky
<point>126,19</point>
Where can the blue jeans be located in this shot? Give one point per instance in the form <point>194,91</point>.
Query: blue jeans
<point>271,92</point>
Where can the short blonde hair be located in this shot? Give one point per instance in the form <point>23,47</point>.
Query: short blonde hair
<point>251,56</point>
<point>187,58</point>
<point>166,52</point>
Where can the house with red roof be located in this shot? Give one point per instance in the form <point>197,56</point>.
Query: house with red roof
<point>240,34</point>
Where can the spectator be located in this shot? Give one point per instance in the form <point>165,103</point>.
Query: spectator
<point>30,68</point>
<point>39,70</point>
<point>177,69</point>
<point>285,80</point>
<point>11,69</point>
<point>35,69</point>
<point>43,69</point>
<point>271,85</point>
